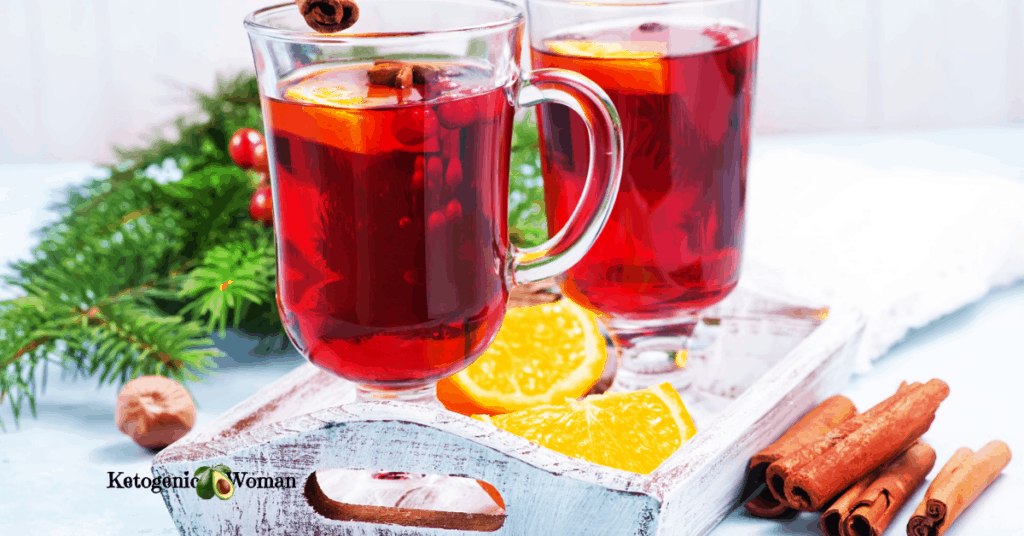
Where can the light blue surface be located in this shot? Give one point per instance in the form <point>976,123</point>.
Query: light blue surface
<point>53,468</point>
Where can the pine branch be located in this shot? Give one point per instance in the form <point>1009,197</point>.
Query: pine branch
<point>526,216</point>
<point>113,259</point>
<point>135,342</point>
<point>213,201</point>
<point>231,279</point>
<point>23,348</point>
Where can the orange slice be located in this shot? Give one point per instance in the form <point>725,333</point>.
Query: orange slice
<point>339,95</point>
<point>599,49</point>
<point>632,65</point>
<point>346,114</point>
<point>634,431</point>
<point>542,354</point>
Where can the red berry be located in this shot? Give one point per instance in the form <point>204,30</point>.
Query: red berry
<point>440,88</point>
<point>451,144</point>
<point>417,173</point>
<point>435,173</point>
<point>261,206</point>
<point>259,158</point>
<point>243,147</point>
<point>414,125</point>
<point>648,27</point>
<point>453,211</point>
<point>453,175</point>
<point>457,113</point>
<point>436,221</point>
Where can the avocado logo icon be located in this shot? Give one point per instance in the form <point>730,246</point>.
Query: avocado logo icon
<point>215,481</point>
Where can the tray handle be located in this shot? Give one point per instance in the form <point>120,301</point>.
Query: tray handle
<point>407,517</point>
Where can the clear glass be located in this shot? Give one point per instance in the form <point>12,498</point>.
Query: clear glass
<point>681,75</point>
<point>391,203</point>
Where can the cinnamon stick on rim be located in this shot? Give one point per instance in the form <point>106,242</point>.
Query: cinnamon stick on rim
<point>818,422</point>
<point>920,524</point>
<point>963,486</point>
<point>879,503</point>
<point>820,470</point>
<point>329,16</point>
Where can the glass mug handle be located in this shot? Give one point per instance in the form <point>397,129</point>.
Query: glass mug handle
<point>604,130</point>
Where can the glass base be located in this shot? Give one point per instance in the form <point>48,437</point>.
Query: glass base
<point>653,353</point>
<point>423,395</point>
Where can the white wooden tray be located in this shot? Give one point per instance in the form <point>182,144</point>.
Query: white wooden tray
<point>308,421</point>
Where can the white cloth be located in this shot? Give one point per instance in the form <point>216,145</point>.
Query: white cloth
<point>904,246</point>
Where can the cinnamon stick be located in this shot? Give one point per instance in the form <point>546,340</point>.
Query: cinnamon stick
<point>880,502</point>
<point>329,16</point>
<point>815,424</point>
<point>809,453</point>
<point>963,486</point>
<point>400,74</point>
<point>833,519</point>
<point>822,469</point>
<point>920,524</point>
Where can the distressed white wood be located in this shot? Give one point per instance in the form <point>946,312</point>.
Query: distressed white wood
<point>307,421</point>
<point>701,483</point>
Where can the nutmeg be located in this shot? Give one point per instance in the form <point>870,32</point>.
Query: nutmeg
<point>155,411</point>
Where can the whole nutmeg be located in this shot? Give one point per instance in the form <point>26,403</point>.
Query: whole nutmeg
<point>155,411</point>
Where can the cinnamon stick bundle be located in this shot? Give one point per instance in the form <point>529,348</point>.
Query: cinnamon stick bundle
<point>820,470</point>
<point>880,502</point>
<point>818,422</point>
<point>947,498</point>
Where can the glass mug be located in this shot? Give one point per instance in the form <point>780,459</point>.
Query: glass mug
<point>681,75</point>
<point>391,203</point>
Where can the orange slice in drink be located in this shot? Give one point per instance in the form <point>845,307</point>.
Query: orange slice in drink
<point>349,115</point>
<point>331,119</point>
<point>633,50</point>
<point>542,354</point>
<point>339,95</point>
<point>637,65</point>
<point>634,431</point>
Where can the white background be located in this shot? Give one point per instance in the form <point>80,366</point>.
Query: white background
<point>79,76</point>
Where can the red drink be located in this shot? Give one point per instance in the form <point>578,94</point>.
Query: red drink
<point>684,95</point>
<point>391,221</point>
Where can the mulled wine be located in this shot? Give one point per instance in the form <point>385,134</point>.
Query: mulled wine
<point>683,93</point>
<point>391,218</point>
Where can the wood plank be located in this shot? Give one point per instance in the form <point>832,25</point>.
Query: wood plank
<point>701,483</point>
